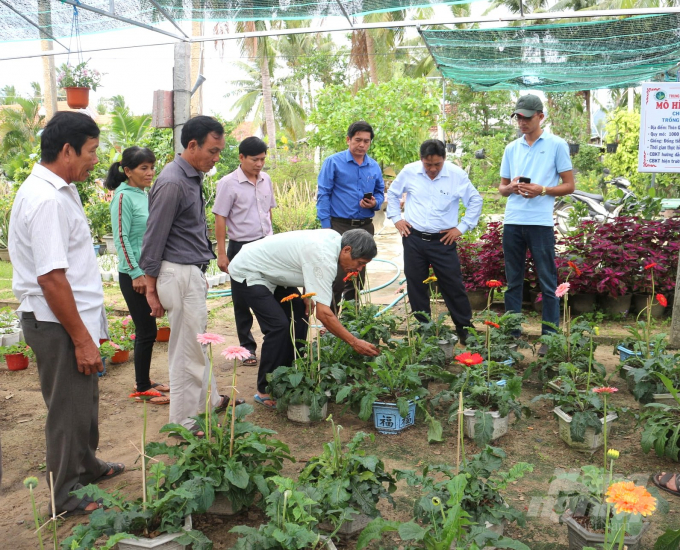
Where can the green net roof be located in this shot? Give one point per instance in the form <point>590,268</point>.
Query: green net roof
<point>54,16</point>
<point>561,57</point>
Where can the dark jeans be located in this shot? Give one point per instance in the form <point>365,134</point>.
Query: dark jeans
<point>540,240</point>
<point>242,315</point>
<point>72,399</point>
<point>419,255</point>
<point>274,320</point>
<point>340,287</point>
<point>145,330</point>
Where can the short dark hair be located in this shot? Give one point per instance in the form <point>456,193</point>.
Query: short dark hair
<point>198,128</point>
<point>132,157</point>
<point>431,147</point>
<point>361,242</point>
<point>359,126</point>
<point>252,146</point>
<point>66,127</point>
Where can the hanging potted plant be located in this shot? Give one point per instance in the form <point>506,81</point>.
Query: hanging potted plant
<point>17,355</point>
<point>78,81</point>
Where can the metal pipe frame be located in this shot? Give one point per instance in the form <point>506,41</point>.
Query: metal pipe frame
<point>34,24</point>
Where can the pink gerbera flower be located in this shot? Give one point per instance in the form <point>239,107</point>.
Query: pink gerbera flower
<point>209,338</point>
<point>562,290</point>
<point>605,389</point>
<point>236,352</point>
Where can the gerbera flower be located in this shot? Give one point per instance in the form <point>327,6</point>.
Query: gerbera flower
<point>469,359</point>
<point>289,298</point>
<point>630,498</point>
<point>149,394</point>
<point>430,279</point>
<point>492,324</point>
<point>575,268</point>
<point>652,265</point>
<point>605,389</point>
<point>613,453</point>
<point>562,290</point>
<point>351,275</point>
<point>493,283</point>
<point>209,338</point>
<point>662,300</point>
<point>236,352</point>
<point>308,295</point>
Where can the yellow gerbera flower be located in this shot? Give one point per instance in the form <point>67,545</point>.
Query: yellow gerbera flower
<point>430,279</point>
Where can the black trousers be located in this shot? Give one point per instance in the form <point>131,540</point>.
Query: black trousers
<point>340,287</point>
<point>274,320</point>
<point>145,330</point>
<point>72,399</point>
<point>419,255</point>
<point>242,315</point>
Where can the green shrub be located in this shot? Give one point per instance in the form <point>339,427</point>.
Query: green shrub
<point>296,207</point>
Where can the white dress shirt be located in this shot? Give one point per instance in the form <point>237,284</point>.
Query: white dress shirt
<point>432,205</point>
<point>49,230</point>
<point>306,259</point>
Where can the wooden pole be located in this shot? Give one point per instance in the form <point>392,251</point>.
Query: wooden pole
<point>181,90</point>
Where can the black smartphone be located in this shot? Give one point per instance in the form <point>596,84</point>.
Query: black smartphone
<point>522,179</point>
<point>368,196</point>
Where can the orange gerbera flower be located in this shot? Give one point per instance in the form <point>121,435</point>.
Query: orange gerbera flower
<point>492,324</point>
<point>469,359</point>
<point>351,275</point>
<point>430,279</point>
<point>630,498</point>
<point>662,300</point>
<point>289,298</point>
<point>650,266</point>
<point>575,268</point>
<point>308,295</point>
<point>493,283</point>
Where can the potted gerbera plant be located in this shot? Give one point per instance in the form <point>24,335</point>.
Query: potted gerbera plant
<point>77,81</point>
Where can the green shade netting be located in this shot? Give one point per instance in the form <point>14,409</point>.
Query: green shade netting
<point>56,17</point>
<point>582,56</point>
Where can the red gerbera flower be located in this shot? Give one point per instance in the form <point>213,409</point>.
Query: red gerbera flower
<point>493,283</point>
<point>605,389</point>
<point>662,300</point>
<point>149,394</point>
<point>575,268</point>
<point>492,324</point>
<point>650,266</point>
<point>469,359</point>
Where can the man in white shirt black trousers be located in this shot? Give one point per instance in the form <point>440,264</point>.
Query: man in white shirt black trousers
<point>430,228</point>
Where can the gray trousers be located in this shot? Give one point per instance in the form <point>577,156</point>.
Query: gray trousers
<point>72,399</point>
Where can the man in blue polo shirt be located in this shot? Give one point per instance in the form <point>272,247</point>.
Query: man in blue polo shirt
<point>350,191</point>
<point>531,170</point>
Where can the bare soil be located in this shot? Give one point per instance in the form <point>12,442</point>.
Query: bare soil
<point>534,440</point>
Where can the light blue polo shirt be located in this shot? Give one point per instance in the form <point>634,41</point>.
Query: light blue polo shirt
<point>543,162</point>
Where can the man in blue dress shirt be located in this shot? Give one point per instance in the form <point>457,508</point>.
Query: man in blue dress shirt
<point>430,228</point>
<point>531,170</point>
<point>350,191</point>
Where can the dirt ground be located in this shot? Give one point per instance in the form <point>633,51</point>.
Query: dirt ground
<point>534,440</point>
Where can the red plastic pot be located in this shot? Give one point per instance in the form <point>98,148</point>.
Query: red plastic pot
<point>16,361</point>
<point>120,357</point>
<point>77,98</point>
<point>163,334</point>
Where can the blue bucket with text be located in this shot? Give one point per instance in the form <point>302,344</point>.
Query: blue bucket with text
<point>387,419</point>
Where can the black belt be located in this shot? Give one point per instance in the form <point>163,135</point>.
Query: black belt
<point>425,236</point>
<point>354,223</point>
<point>202,267</point>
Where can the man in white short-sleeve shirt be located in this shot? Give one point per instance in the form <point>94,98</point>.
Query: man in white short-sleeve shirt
<point>56,279</point>
<point>268,270</point>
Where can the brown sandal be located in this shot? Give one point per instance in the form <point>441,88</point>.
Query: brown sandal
<point>661,481</point>
<point>160,400</point>
<point>158,386</point>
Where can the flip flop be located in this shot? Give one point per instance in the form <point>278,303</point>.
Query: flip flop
<point>80,510</point>
<point>661,481</point>
<point>158,386</point>
<point>264,401</point>
<point>117,467</point>
<point>161,400</point>
<point>224,403</point>
<point>250,361</point>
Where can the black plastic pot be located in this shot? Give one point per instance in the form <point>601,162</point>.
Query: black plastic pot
<point>574,148</point>
<point>612,147</point>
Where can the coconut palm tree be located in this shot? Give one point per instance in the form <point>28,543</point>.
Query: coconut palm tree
<point>284,93</point>
<point>126,129</point>
<point>20,122</point>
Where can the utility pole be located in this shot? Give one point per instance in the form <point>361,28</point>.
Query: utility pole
<point>181,91</point>
<point>49,72</point>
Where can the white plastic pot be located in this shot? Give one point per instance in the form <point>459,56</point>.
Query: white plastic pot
<point>300,413</point>
<point>500,424</point>
<point>162,542</point>
<point>591,442</point>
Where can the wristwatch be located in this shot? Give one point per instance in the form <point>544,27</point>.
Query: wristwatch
<point>545,190</point>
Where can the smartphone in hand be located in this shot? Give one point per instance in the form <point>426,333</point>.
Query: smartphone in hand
<point>522,179</point>
<point>368,196</point>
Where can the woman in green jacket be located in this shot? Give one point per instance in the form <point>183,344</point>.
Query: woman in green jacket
<point>129,212</point>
